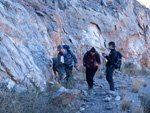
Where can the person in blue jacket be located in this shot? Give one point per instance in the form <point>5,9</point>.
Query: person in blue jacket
<point>67,59</point>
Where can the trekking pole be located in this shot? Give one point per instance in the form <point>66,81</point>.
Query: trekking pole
<point>77,69</point>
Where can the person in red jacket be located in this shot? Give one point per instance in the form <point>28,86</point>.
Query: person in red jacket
<point>91,62</point>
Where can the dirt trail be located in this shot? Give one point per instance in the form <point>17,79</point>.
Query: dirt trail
<point>95,101</point>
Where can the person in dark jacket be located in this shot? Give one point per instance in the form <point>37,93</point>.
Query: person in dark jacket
<point>58,68</point>
<point>110,64</point>
<point>55,66</point>
<point>91,62</point>
<point>65,58</point>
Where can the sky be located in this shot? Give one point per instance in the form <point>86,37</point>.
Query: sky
<point>145,2</point>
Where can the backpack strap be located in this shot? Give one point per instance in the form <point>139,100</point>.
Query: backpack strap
<point>67,48</point>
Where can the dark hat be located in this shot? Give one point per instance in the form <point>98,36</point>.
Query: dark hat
<point>93,50</point>
<point>59,47</point>
<point>111,43</point>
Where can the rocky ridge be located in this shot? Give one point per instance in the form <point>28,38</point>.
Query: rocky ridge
<point>31,30</point>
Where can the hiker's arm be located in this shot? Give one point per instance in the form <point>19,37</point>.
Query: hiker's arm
<point>50,63</point>
<point>55,62</point>
<point>98,60</point>
<point>74,58</point>
<point>85,60</point>
<point>112,58</point>
<point>107,57</point>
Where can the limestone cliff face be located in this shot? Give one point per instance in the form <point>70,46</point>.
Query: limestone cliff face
<point>31,30</point>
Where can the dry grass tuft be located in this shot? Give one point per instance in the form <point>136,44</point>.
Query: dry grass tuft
<point>138,110</point>
<point>129,71</point>
<point>145,103</point>
<point>130,68</point>
<point>137,84</point>
<point>126,105</point>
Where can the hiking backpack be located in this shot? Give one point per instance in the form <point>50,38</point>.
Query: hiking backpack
<point>118,59</point>
<point>67,48</point>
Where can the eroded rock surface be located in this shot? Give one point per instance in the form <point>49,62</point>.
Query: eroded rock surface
<point>31,30</point>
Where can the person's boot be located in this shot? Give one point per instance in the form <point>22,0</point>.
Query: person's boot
<point>66,78</point>
<point>90,90</point>
<point>90,87</point>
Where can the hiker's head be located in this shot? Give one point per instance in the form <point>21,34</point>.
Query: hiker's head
<point>111,45</point>
<point>92,51</point>
<point>60,49</point>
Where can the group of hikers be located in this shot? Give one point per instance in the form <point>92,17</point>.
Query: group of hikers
<point>66,60</point>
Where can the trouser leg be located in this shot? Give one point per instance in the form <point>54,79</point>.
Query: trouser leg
<point>68,73</point>
<point>54,70</point>
<point>89,76</point>
<point>61,72</point>
<point>109,77</point>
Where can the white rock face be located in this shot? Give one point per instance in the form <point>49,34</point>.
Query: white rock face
<point>24,47</point>
<point>31,31</point>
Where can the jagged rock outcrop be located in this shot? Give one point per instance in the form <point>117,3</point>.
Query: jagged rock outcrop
<point>31,30</point>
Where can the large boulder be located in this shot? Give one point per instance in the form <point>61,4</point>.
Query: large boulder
<point>65,96</point>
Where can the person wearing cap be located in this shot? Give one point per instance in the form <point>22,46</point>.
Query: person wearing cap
<point>91,62</point>
<point>110,64</point>
<point>66,58</point>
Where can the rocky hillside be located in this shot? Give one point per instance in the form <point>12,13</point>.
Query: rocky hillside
<point>30,31</point>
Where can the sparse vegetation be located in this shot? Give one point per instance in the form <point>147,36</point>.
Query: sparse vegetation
<point>71,83</point>
<point>126,105</point>
<point>129,68</point>
<point>132,68</point>
<point>145,103</point>
<point>137,84</point>
<point>145,71</point>
<point>80,74</point>
<point>129,71</point>
<point>138,110</point>
<point>144,84</point>
<point>23,102</point>
<point>27,102</point>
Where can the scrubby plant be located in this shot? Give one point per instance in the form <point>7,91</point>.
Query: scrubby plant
<point>28,101</point>
<point>130,68</point>
<point>136,85</point>
<point>138,110</point>
<point>145,71</point>
<point>145,103</point>
<point>144,84</point>
<point>80,74</point>
<point>71,83</point>
<point>126,105</point>
<point>129,71</point>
